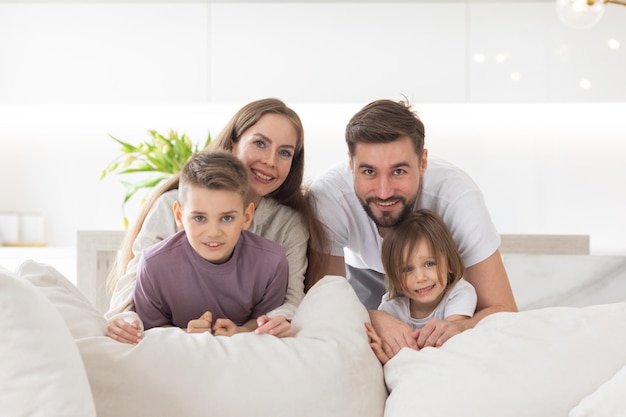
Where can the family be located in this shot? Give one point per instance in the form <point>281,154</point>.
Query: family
<point>232,242</point>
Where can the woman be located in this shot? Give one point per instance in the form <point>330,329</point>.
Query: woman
<point>267,136</point>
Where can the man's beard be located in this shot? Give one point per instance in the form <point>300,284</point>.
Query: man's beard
<point>387,218</point>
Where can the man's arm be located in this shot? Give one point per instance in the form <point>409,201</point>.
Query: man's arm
<point>321,265</point>
<point>493,289</point>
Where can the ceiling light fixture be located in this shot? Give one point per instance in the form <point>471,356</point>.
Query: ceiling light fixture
<point>582,14</point>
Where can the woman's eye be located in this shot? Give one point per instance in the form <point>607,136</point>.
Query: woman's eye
<point>259,143</point>
<point>285,153</point>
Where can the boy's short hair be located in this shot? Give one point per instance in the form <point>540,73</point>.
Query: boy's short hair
<point>400,242</point>
<point>214,170</point>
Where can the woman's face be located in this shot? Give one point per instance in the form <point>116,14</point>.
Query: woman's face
<point>267,149</point>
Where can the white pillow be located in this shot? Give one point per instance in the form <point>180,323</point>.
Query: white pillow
<point>41,373</point>
<point>81,318</point>
<point>327,369</point>
<point>534,363</point>
<point>607,401</point>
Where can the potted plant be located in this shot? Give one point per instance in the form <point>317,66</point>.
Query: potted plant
<point>150,162</point>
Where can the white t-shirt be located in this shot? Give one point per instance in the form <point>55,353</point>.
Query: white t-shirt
<point>460,300</point>
<point>446,190</point>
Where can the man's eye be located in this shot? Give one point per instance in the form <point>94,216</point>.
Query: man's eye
<point>369,172</point>
<point>399,171</point>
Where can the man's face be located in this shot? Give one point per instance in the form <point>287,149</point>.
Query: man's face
<point>387,179</point>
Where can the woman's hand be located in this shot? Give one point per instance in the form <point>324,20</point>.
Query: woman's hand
<point>125,332</point>
<point>277,326</point>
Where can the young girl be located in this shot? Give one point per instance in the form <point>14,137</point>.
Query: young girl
<point>423,276</point>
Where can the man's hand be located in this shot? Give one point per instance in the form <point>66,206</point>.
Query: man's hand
<point>394,334</point>
<point>276,326</point>
<point>436,332</point>
<point>202,324</point>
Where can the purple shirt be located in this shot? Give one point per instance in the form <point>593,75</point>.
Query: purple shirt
<point>176,285</point>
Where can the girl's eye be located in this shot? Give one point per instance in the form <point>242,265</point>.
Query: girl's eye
<point>407,269</point>
<point>199,219</point>
<point>429,264</point>
<point>227,219</point>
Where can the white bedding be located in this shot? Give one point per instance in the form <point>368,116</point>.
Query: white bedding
<point>547,362</point>
<point>534,363</point>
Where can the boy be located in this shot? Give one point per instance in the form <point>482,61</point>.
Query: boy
<point>213,275</point>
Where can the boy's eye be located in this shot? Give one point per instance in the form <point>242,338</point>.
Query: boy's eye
<point>199,219</point>
<point>227,219</point>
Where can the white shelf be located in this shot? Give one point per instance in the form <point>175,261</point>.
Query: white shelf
<point>63,258</point>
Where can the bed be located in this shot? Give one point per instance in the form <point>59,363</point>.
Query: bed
<point>562,355</point>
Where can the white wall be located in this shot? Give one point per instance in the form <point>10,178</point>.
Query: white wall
<point>548,154</point>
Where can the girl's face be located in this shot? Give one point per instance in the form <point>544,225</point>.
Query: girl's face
<point>267,149</point>
<point>424,285</point>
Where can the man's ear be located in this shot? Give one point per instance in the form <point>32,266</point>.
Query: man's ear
<point>248,213</point>
<point>178,214</point>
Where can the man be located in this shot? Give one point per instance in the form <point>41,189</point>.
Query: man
<point>385,178</point>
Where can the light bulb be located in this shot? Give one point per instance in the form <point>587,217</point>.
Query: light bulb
<point>579,14</point>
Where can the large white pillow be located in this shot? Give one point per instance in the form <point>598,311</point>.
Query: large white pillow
<point>82,319</point>
<point>607,401</point>
<point>327,369</point>
<point>534,363</point>
<point>41,373</point>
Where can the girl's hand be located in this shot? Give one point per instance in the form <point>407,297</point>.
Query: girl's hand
<point>277,326</point>
<point>125,332</point>
<point>376,344</point>
<point>202,324</point>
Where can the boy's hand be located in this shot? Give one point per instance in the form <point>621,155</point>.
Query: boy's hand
<point>202,324</point>
<point>125,332</point>
<point>225,327</point>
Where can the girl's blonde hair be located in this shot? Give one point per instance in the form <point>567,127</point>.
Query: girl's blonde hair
<point>400,243</point>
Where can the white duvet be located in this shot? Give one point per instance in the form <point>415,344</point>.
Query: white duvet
<point>553,362</point>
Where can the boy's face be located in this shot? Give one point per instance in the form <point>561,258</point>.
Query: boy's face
<point>213,221</point>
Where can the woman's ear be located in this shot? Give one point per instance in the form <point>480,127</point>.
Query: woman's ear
<point>178,214</point>
<point>248,213</point>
